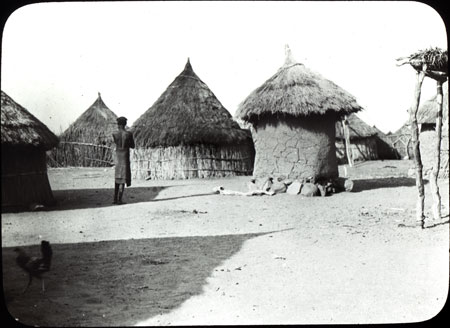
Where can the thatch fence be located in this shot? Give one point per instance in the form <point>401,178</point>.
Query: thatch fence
<point>81,154</point>
<point>187,162</point>
<point>187,133</point>
<point>24,141</point>
<point>401,142</point>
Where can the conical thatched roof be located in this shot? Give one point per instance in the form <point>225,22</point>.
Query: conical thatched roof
<point>20,128</point>
<point>295,90</point>
<point>95,125</point>
<point>428,111</point>
<point>357,128</point>
<point>187,113</point>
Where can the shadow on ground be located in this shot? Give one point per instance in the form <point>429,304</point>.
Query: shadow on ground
<point>377,183</point>
<point>70,199</point>
<point>115,283</point>
<point>93,198</point>
<point>90,198</point>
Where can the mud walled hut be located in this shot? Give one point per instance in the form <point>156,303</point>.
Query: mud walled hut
<point>426,117</point>
<point>188,133</point>
<point>293,116</point>
<point>24,142</point>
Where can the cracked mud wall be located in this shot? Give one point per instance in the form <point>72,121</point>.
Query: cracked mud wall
<point>295,148</point>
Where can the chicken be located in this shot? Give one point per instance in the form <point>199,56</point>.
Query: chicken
<point>35,266</point>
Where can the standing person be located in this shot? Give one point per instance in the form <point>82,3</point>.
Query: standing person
<point>124,141</point>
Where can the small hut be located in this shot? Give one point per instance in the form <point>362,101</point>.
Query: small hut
<point>384,148</point>
<point>363,140</point>
<point>293,116</point>
<point>187,133</point>
<point>426,118</point>
<point>400,141</point>
<point>24,143</point>
<point>88,141</point>
<point>427,113</point>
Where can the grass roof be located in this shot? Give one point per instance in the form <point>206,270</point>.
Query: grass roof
<point>187,113</point>
<point>95,125</point>
<point>295,90</point>
<point>428,111</point>
<point>357,128</point>
<point>21,128</point>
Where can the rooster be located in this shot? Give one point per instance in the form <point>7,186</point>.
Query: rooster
<point>35,266</point>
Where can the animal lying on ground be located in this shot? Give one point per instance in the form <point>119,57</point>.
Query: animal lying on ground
<point>221,190</point>
<point>35,266</point>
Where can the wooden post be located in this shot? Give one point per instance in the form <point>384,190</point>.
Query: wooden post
<point>434,172</point>
<point>415,140</point>
<point>347,141</point>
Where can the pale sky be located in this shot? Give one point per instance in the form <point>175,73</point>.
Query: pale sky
<point>57,56</point>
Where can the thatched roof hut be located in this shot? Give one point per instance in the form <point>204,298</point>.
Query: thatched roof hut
<point>293,115</point>
<point>24,141</point>
<point>400,140</point>
<point>188,133</point>
<point>20,128</point>
<point>385,149</point>
<point>88,141</point>
<point>426,117</point>
<point>427,113</point>
<point>363,144</point>
<point>358,129</point>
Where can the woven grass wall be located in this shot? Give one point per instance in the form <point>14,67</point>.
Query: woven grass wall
<point>296,148</point>
<point>24,177</point>
<point>187,162</point>
<point>81,154</point>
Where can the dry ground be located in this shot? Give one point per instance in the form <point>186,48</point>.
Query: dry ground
<point>178,254</point>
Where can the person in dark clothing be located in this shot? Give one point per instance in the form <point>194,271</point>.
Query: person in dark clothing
<point>124,141</point>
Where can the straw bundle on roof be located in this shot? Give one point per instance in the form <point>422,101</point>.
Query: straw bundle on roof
<point>187,133</point>
<point>296,90</point>
<point>187,113</point>
<point>21,128</point>
<point>436,59</point>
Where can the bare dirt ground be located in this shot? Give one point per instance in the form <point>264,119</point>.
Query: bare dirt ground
<point>177,254</point>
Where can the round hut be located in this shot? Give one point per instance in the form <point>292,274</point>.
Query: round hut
<point>24,143</point>
<point>426,118</point>
<point>293,116</point>
<point>188,133</point>
<point>363,140</point>
<point>88,141</point>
